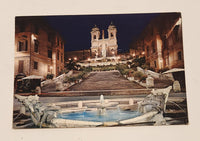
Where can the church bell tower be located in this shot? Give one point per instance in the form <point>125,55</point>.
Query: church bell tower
<point>112,31</point>
<point>95,33</point>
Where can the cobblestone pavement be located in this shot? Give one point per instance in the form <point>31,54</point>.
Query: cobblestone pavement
<point>105,80</point>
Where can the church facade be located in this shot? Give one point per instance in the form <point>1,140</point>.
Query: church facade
<point>104,48</point>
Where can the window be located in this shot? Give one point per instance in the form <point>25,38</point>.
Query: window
<point>35,65</point>
<point>36,45</point>
<point>179,55</point>
<point>95,36</point>
<point>49,53</point>
<point>23,45</point>
<point>176,29</point>
<point>153,46</point>
<point>147,50</point>
<point>61,57</point>
<point>155,64</point>
<point>111,34</point>
<point>165,44</point>
<point>58,55</point>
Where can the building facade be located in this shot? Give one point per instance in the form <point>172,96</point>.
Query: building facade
<point>39,50</point>
<point>161,42</point>
<point>103,48</point>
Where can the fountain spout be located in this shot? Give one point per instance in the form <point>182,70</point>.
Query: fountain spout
<point>102,99</point>
<point>101,107</point>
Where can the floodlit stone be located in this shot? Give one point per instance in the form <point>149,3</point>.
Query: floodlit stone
<point>149,82</point>
<point>131,101</point>
<point>59,86</point>
<point>176,86</point>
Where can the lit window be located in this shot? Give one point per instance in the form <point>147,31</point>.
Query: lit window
<point>23,45</point>
<point>35,65</point>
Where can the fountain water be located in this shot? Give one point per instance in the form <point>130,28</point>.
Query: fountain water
<point>101,108</point>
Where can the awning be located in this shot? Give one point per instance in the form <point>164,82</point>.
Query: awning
<point>33,77</point>
<point>174,70</point>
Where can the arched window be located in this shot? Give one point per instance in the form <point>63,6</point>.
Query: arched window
<point>111,35</point>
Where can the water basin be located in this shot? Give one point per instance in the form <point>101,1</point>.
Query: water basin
<point>110,115</point>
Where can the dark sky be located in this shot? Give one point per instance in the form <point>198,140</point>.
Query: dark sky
<point>75,29</point>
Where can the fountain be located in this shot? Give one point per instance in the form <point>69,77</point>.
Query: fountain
<point>102,107</point>
<point>102,113</point>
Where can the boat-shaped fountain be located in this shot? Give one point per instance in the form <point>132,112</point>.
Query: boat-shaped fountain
<point>99,113</point>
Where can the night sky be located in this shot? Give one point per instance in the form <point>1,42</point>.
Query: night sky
<point>75,29</point>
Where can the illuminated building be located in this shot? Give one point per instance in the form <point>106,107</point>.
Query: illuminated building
<point>39,50</point>
<point>105,47</point>
<point>161,42</point>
